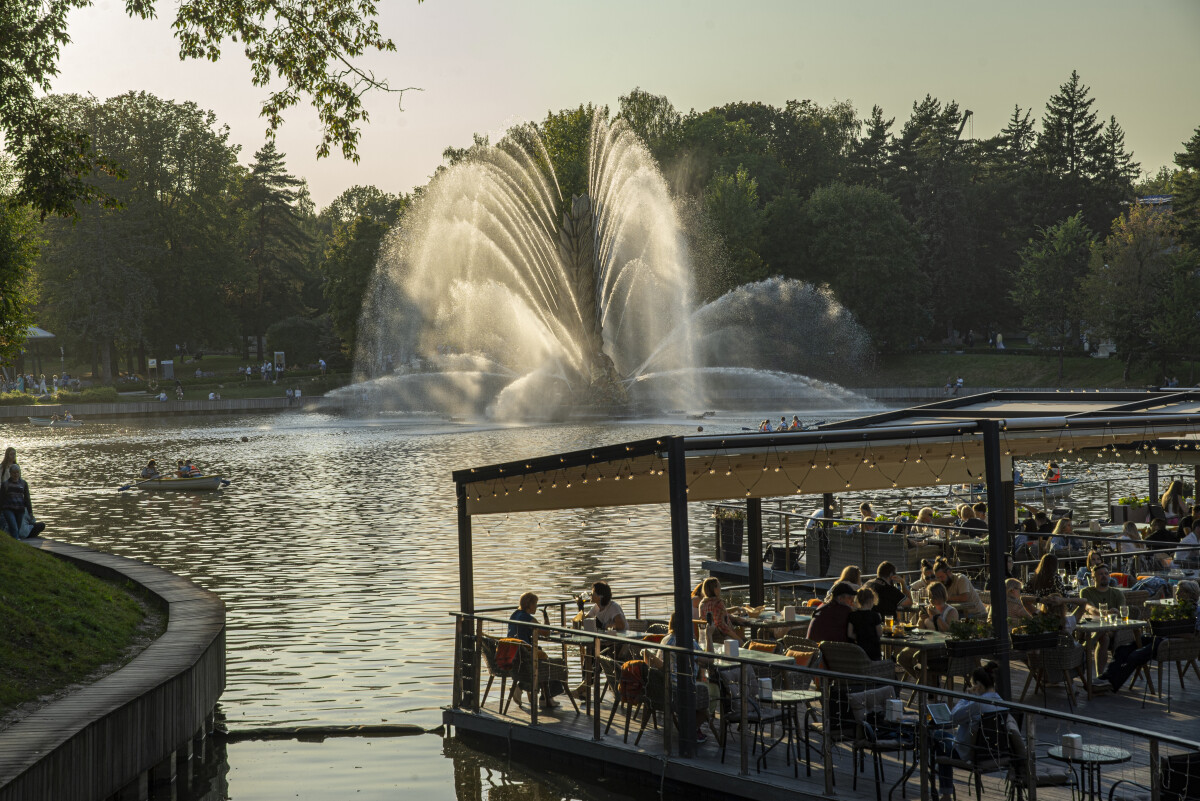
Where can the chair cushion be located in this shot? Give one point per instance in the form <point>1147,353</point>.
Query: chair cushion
<point>765,647</point>
<point>802,657</point>
<point>653,638</point>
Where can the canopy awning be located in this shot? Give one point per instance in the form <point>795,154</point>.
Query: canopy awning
<point>925,446</point>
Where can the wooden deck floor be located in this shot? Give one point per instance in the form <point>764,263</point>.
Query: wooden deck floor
<point>570,736</point>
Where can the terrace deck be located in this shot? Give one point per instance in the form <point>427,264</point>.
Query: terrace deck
<point>565,738</point>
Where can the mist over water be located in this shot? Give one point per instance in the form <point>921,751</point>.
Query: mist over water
<point>499,296</point>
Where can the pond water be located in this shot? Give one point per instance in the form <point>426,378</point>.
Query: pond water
<point>335,551</point>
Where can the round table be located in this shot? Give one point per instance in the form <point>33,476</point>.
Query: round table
<point>1089,759</point>
<point>789,701</point>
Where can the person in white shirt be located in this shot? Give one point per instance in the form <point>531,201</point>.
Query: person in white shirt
<point>1184,554</point>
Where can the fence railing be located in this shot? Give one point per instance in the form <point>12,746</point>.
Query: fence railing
<point>1143,756</point>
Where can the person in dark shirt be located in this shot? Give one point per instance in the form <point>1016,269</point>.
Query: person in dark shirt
<point>15,503</point>
<point>864,626</point>
<point>889,590</point>
<point>831,618</point>
<point>526,606</point>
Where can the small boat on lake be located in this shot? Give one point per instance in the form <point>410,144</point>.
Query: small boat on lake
<point>192,483</point>
<point>1024,493</point>
<point>53,422</point>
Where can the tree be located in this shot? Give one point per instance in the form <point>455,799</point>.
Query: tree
<point>731,200</point>
<point>1070,142</point>
<point>653,119</point>
<point>1018,137</point>
<point>1114,165</point>
<point>1046,284</point>
<point>568,139</point>
<point>1186,205</point>
<point>871,156</point>
<point>859,243</point>
<point>297,48</point>
<point>1126,279</point>
<point>19,248</point>
<point>273,247</point>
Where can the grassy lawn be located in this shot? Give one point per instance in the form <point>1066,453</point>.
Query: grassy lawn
<point>59,625</point>
<point>1005,370</point>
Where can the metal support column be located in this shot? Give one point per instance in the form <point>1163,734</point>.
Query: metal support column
<point>997,546</point>
<point>467,650</point>
<point>828,505</point>
<point>754,549</point>
<point>1154,493</point>
<point>681,572</point>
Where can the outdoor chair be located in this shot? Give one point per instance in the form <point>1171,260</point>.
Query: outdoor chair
<point>552,677</point>
<point>991,751</point>
<point>789,641</point>
<point>757,714</point>
<point>875,735</point>
<point>1179,776</point>
<point>1058,667</point>
<point>629,683</point>
<point>1183,651</point>
<point>488,646</point>
<point>657,627</point>
<point>846,657</point>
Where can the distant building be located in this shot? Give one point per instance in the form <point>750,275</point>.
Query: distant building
<point>1158,202</point>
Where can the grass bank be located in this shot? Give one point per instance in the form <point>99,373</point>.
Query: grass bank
<point>60,626</point>
<point>1005,369</point>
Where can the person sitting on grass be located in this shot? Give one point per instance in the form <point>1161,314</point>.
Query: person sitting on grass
<point>15,504</point>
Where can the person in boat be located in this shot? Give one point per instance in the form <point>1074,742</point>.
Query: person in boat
<point>181,470</point>
<point>192,470</point>
<point>783,423</point>
<point>67,416</point>
<point>150,470</point>
<point>1053,473</point>
<point>795,426</point>
<point>1173,503</point>
<point>10,459</point>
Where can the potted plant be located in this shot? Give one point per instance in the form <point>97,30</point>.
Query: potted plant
<point>1173,620</point>
<point>731,525</point>
<point>1039,631</point>
<point>970,638</point>
<point>1130,507</point>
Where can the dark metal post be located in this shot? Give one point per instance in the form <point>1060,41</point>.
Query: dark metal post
<point>466,564</point>
<point>681,572</point>
<point>1153,483</point>
<point>827,505</point>
<point>997,548</point>
<point>754,549</point>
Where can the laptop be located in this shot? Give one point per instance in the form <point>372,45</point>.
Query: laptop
<point>939,714</point>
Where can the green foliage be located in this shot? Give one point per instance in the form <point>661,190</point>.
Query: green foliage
<point>729,513</point>
<point>731,200</point>
<point>1070,142</point>
<point>1047,280</point>
<point>1042,623</point>
<point>17,399</point>
<point>859,243</point>
<point>19,247</point>
<point>1177,610</point>
<point>568,138</point>
<point>89,395</point>
<point>299,337</point>
<point>57,623</point>
<point>653,119</point>
<point>964,629</point>
<point>1133,500</point>
<point>1186,203</point>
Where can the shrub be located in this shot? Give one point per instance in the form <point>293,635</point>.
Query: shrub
<point>90,395</point>
<point>17,399</point>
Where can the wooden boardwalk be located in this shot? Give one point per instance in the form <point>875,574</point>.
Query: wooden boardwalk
<point>563,737</point>
<point>99,739</point>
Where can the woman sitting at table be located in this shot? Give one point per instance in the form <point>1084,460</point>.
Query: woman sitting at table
<point>1061,539</point>
<point>966,715</point>
<point>921,585</point>
<point>937,616</point>
<point>607,612</point>
<point>923,525</point>
<point>1045,581</point>
<point>1083,577</point>
<point>712,604</point>
<point>852,575</point>
<point>704,690</point>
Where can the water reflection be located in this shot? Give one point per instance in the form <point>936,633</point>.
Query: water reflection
<point>335,551</point>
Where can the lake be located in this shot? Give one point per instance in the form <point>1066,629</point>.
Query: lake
<point>335,551</point>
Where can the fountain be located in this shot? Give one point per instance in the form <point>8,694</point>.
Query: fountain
<point>498,293</point>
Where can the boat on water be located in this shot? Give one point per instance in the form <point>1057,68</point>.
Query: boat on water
<point>51,422</point>
<point>1024,493</point>
<point>192,483</point>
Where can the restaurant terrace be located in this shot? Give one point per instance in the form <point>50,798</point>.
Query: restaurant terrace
<point>969,440</point>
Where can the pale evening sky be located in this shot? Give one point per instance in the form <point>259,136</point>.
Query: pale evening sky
<point>486,65</point>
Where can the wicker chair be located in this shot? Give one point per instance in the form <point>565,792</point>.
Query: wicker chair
<point>488,646</point>
<point>1183,651</point>
<point>789,641</point>
<point>846,657</point>
<point>757,714</point>
<point>1058,667</point>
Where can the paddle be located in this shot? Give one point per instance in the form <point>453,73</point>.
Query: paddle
<point>225,482</point>
<point>131,486</point>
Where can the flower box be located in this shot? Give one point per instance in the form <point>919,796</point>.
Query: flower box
<point>980,647</point>
<point>1172,628</point>
<point>1122,513</point>
<point>1035,642</point>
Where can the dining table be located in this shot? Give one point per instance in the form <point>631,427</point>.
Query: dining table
<point>767,622</point>
<point>1088,630</point>
<point>926,641</point>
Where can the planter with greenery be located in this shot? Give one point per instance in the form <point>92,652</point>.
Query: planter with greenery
<point>1173,619</point>
<point>1040,631</point>
<point>970,638</point>
<point>731,526</point>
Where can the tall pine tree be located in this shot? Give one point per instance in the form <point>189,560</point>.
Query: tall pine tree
<point>1070,140</point>
<point>1187,192</point>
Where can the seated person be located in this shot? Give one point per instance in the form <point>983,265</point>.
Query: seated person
<point>864,627</point>
<point>1186,554</point>
<point>889,590</point>
<point>15,503</point>
<point>1061,540</point>
<point>520,630</point>
<point>607,613</point>
<point>959,589</point>
<point>936,616</point>
<point>928,577</point>
<point>1014,603</point>
<point>1102,592</point>
<point>192,470</point>
<point>966,715</point>
<point>181,470</point>
<point>831,618</point>
<point>1126,659</point>
<point>711,604</point>
<point>705,691</point>
<point>68,416</point>
<point>1083,577</point>
<point>150,470</point>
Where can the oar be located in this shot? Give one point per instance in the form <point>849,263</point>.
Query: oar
<point>131,486</point>
<point>225,482</point>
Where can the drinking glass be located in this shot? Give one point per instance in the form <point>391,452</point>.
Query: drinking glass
<point>888,624</point>
<point>1125,613</point>
<point>1103,611</point>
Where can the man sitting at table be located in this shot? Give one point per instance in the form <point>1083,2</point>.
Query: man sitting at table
<point>830,619</point>
<point>959,589</point>
<point>889,590</point>
<point>1128,658</point>
<point>1102,592</point>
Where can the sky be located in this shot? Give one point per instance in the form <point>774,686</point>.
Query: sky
<point>483,66</point>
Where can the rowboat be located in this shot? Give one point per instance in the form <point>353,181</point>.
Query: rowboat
<point>193,484</point>
<point>50,422</point>
<point>1026,493</point>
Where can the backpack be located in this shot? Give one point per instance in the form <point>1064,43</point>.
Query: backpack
<point>507,650</point>
<point>633,680</point>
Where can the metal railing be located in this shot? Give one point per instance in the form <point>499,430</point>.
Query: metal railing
<point>1038,726</point>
